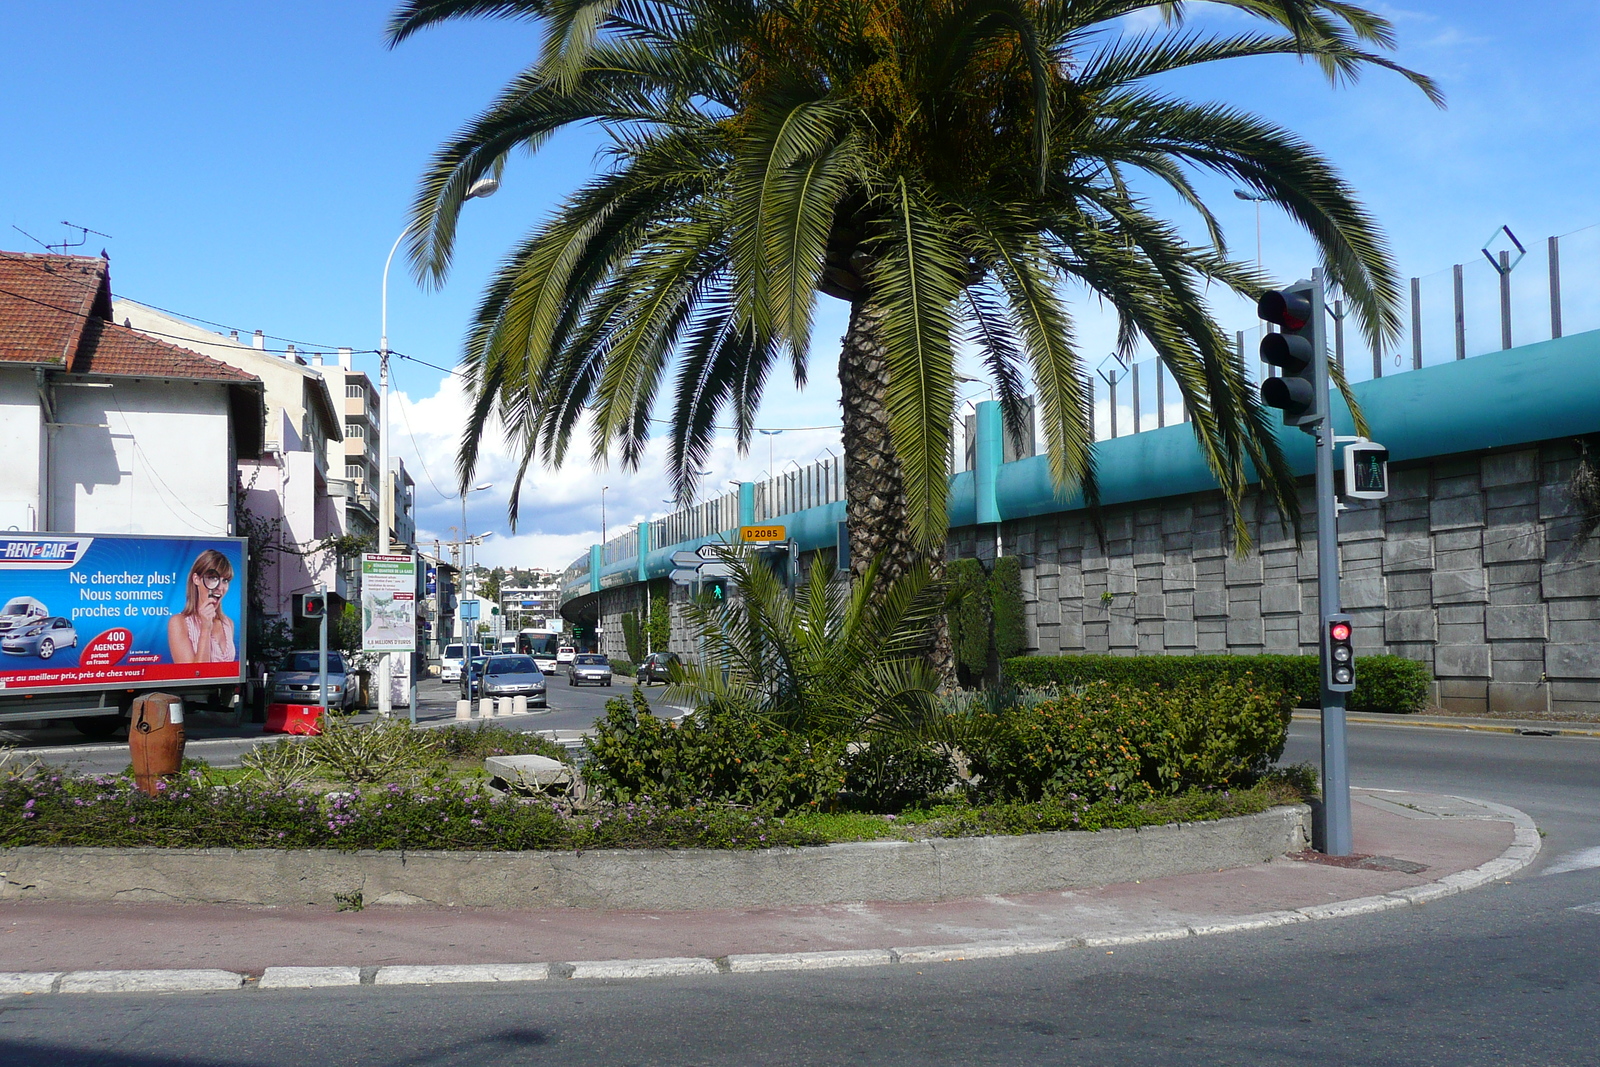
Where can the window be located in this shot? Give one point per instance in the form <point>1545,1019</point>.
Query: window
<point>354,429</point>
<point>354,470</point>
<point>355,392</point>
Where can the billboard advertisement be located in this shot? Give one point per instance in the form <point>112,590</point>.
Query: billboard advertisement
<point>388,602</point>
<point>93,611</point>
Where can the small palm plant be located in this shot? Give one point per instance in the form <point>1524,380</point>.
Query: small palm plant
<point>840,658</point>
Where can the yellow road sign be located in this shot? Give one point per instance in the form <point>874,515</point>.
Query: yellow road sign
<point>757,534</point>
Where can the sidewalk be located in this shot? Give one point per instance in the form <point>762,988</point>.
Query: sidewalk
<point>1533,727</point>
<point>1422,847</point>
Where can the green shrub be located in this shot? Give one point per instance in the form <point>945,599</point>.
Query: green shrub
<point>716,755</point>
<point>1383,683</point>
<point>1010,623</point>
<point>891,773</point>
<point>659,629</point>
<point>969,618</point>
<point>623,669</point>
<point>482,740</point>
<point>1098,740</point>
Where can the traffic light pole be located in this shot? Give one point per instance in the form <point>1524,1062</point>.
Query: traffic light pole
<point>322,654</point>
<point>1336,835</point>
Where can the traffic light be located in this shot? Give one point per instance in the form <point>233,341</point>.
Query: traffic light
<point>313,605</point>
<point>1338,654</point>
<point>1295,352</point>
<point>717,589</point>
<point>1366,471</point>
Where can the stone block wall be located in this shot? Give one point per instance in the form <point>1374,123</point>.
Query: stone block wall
<point>1469,566</point>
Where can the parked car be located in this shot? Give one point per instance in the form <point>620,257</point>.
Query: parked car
<point>512,676</point>
<point>589,667</point>
<point>471,673</point>
<point>565,655</point>
<point>295,681</point>
<point>658,667</point>
<point>43,638</point>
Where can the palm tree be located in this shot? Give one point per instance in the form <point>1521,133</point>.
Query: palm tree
<point>947,167</point>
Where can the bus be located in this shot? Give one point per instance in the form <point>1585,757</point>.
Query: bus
<point>532,641</point>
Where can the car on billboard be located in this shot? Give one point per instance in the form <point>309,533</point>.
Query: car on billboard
<point>20,613</point>
<point>44,638</point>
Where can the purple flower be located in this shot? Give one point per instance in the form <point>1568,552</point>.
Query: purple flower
<point>28,805</point>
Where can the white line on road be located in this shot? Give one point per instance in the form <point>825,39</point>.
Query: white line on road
<point>1583,859</point>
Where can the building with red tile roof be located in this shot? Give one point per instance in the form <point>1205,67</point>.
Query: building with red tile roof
<point>105,429</point>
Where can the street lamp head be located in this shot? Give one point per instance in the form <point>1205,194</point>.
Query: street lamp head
<point>1257,198</point>
<point>483,187</point>
<point>481,488</point>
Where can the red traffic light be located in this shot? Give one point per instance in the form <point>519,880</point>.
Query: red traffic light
<point>1340,631</point>
<point>1290,310</point>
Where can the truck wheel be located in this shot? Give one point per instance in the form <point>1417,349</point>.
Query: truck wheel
<point>98,725</point>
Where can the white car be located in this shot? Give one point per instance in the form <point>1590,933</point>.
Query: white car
<point>565,655</point>
<point>450,662</point>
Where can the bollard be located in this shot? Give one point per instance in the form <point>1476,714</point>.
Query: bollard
<point>485,708</point>
<point>519,705</point>
<point>155,739</point>
<point>463,709</point>
<point>504,710</point>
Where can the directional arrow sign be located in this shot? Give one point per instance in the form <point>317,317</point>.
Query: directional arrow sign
<point>684,577</point>
<point>687,559</point>
<point>715,570</point>
<point>712,552</point>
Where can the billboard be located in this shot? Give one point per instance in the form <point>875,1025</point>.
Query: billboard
<point>104,611</point>
<point>388,602</point>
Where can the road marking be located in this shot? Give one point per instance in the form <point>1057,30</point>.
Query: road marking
<point>1592,909</point>
<point>1583,859</point>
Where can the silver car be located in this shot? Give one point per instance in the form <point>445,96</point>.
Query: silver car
<point>587,668</point>
<point>513,676</point>
<point>296,682</point>
<point>43,638</point>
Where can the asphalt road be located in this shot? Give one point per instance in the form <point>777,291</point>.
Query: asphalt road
<point>1508,974</point>
<point>221,744</point>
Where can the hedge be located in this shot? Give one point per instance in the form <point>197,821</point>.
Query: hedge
<point>1383,683</point>
<point>1101,740</point>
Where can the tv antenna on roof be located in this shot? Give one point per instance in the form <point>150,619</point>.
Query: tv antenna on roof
<point>83,237</point>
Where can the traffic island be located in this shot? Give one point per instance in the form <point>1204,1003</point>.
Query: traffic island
<point>1458,843</point>
<point>933,869</point>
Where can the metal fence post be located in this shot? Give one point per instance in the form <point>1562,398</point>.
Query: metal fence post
<point>1555,287</point>
<point>1161,394</point>
<point>1338,333</point>
<point>1416,323</point>
<point>1461,311</point>
<point>1505,300</point>
<point>1133,376</point>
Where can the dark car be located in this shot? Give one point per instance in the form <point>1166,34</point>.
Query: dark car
<point>296,681</point>
<point>472,674</point>
<point>510,676</point>
<point>658,667</point>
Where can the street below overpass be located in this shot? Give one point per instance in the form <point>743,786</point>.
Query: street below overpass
<point>1505,974</point>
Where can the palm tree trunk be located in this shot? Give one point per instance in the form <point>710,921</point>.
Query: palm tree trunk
<point>875,499</point>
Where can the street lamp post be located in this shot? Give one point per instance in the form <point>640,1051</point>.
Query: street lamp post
<point>480,188</point>
<point>770,434</point>
<point>466,638</point>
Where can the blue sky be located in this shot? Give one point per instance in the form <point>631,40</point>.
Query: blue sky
<point>253,162</point>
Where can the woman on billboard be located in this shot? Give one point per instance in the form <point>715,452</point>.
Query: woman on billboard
<point>201,633</point>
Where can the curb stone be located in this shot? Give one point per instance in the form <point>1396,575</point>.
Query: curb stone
<point>1522,851</point>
